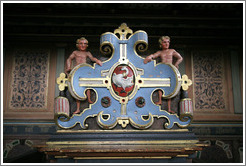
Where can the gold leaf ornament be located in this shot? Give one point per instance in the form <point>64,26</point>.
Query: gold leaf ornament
<point>61,81</point>
<point>123,122</point>
<point>186,82</point>
<point>123,30</point>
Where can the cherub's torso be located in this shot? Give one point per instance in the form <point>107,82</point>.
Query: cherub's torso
<point>80,56</point>
<point>167,55</point>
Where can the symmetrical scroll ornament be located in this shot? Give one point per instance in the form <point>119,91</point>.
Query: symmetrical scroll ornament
<point>124,86</point>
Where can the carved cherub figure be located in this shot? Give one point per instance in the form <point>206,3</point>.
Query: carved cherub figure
<point>167,56</point>
<point>80,56</point>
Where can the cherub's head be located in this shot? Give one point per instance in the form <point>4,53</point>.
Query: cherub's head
<point>164,41</point>
<point>82,43</point>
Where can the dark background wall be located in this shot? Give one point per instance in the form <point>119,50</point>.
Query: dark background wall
<point>188,24</point>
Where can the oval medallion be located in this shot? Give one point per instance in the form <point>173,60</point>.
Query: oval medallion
<point>123,80</point>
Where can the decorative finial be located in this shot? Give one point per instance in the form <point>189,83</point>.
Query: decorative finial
<point>123,30</point>
<point>61,81</point>
<point>186,82</point>
<point>123,122</point>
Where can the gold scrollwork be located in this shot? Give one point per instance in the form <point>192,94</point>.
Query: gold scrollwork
<point>106,48</point>
<point>102,124</point>
<point>123,122</point>
<point>184,116</point>
<point>186,82</point>
<point>141,46</point>
<point>123,30</point>
<point>61,81</point>
<point>145,126</point>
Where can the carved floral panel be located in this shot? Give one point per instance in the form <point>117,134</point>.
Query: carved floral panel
<point>29,79</point>
<point>209,82</point>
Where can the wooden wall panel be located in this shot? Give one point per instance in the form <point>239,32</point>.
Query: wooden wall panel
<point>212,92</point>
<point>209,82</point>
<point>29,85</point>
